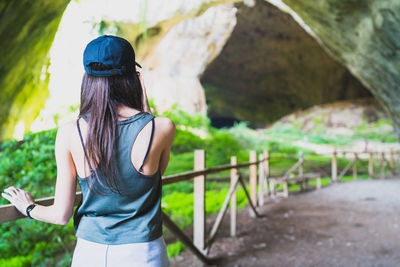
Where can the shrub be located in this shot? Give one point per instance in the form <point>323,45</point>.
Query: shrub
<point>186,141</point>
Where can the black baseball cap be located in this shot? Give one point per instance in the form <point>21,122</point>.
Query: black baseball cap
<point>112,51</point>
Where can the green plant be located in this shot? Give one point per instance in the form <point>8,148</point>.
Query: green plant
<point>17,261</point>
<point>186,141</point>
<point>184,119</point>
<point>174,249</point>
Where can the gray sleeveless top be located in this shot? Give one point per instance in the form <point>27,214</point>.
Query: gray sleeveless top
<point>132,216</point>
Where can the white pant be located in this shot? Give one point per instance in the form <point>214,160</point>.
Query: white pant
<point>153,253</point>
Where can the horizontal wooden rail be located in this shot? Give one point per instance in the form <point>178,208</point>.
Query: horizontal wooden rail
<point>183,176</point>
<point>339,152</point>
<point>10,213</point>
<point>344,153</point>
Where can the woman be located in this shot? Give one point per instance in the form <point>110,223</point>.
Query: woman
<point>119,151</point>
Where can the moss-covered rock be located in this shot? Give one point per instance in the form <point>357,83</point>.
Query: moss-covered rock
<point>27,30</point>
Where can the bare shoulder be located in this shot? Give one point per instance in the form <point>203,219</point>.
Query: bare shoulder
<point>166,125</point>
<point>67,128</point>
<point>66,131</point>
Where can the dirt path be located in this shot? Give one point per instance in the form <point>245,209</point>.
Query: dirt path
<point>348,224</point>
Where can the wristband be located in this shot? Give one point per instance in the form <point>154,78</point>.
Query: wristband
<point>28,210</point>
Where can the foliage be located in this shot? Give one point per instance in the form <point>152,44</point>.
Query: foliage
<point>174,249</point>
<point>18,261</point>
<point>186,141</point>
<point>34,241</point>
<point>29,164</point>
<point>180,163</point>
<point>184,119</point>
<point>220,147</point>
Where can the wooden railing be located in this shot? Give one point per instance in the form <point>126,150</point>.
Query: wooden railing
<point>385,159</point>
<point>201,244</point>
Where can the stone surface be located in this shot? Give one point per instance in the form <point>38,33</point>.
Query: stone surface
<point>27,30</point>
<point>365,37</point>
<point>270,67</point>
<point>174,66</point>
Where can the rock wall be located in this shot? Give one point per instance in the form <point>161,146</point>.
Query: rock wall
<point>174,66</point>
<point>362,35</point>
<point>27,30</point>
<point>270,67</point>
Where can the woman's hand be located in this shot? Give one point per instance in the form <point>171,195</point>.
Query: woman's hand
<point>145,101</point>
<point>19,198</point>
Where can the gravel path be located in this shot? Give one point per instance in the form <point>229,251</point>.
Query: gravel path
<point>348,224</point>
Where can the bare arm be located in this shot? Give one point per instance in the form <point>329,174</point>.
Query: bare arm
<point>169,138</point>
<point>61,211</point>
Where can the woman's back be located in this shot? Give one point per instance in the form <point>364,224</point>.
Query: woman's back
<point>163,132</point>
<point>135,214</point>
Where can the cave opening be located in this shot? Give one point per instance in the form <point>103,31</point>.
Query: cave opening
<point>220,122</point>
<point>271,67</point>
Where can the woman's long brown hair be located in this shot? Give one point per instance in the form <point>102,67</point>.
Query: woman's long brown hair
<point>100,97</point>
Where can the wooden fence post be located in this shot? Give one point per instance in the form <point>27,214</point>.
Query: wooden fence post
<point>199,214</point>
<point>266,171</point>
<point>382,165</point>
<point>334,166</point>
<point>391,162</point>
<point>371,165</point>
<point>253,178</point>
<point>261,180</point>
<point>301,159</point>
<point>234,173</point>
<point>355,166</point>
